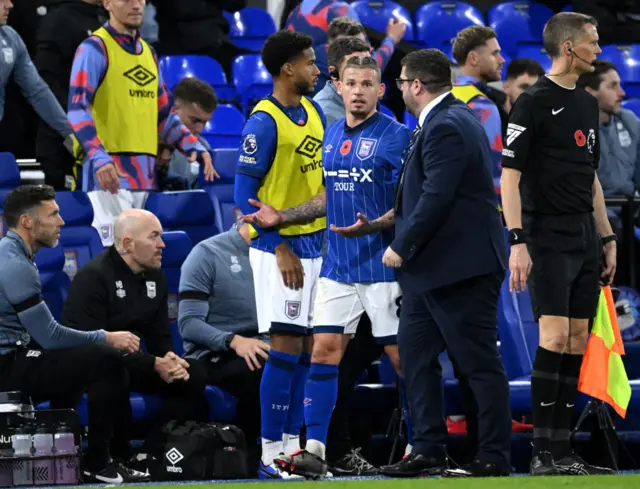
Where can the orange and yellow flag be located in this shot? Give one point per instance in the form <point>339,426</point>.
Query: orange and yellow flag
<point>603,375</point>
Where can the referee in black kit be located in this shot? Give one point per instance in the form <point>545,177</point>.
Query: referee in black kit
<point>558,230</point>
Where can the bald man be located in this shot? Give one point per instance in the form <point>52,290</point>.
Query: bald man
<point>124,288</point>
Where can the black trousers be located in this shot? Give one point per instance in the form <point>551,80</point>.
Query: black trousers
<point>360,353</point>
<point>50,375</point>
<point>181,400</point>
<point>231,373</point>
<point>460,318</point>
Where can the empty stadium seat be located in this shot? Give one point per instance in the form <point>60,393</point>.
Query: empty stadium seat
<point>250,27</point>
<point>438,23</point>
<point>9,179</point>
<point>225,128</point>
<point>251,79</point>
<point>633,105</point>
<point>190,211</point>
<point>54,282</point>
<point>536,52</point>
<point>627,61</point>
<point>517,23</point>
<point>221,191</point>
<point>175,68</point>
<point>79,240</point>
<point>376,15</point>
<point>177,248</point>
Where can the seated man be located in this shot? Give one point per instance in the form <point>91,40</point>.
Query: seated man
<point>45,360</point>
<point>219,325</point>
<point>195,102</point>
<point>125,288</point>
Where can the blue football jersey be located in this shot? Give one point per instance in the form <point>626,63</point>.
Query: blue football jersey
<point>361,168</point>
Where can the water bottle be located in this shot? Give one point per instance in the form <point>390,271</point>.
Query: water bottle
<point>66,461</point>
<point>43,461</point>
<point>22,449</point>
<point>6,459</point>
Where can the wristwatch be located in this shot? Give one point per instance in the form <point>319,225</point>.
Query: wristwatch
<point>609,239</point>
<point>228,340</point>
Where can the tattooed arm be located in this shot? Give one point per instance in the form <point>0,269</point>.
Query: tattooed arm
<point>363,226</point>
<point>313,208</point>
<point>385,221</point>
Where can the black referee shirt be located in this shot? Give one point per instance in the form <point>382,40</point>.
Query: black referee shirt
<point>106,294</point>
<point>552,138</point>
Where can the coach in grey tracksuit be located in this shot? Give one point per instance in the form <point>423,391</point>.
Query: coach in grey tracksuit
<point>218,321</point>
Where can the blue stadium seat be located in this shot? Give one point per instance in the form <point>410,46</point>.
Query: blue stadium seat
<point>189,211</point>
<point>438,23</point>
<point>410,121</point>
<point>567,8</point>
<point>177,248</point>
<point>175,68</point>
<point>221,191</point>
<point>251,79</point>
<point>536,52</point>
<point>517,23</point>
<point>633,105</point>
<point>225,128</point>
<point>79,240</point>
<point>387,111</point>
<point>9,179</point>
<point>627,61</point>
<point>54,282</point>
<point>250,27</point>
<point>376,15</point>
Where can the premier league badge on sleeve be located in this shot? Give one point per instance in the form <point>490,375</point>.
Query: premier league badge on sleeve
<point>250,144</point>
<point>366,148</point>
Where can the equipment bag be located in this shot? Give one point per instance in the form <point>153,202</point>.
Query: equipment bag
<point>197,451</point>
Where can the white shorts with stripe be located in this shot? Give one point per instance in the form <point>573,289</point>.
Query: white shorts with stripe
<point>279,308</point>
<point>107,207</point>
<point>339,307</point>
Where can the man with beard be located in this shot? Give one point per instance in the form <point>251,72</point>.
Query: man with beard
<point>522,73</point>
<point>280,163</point>
<point>42,358</point>
<point>118,106</point>
<point>477,51</point>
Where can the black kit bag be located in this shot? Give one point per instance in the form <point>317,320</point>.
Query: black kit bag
<point>191,450</point>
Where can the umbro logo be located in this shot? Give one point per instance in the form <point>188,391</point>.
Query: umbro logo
<point>309,146</point>
<point>140,76</point>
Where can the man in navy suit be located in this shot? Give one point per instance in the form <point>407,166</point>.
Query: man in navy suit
<point>450,255</point>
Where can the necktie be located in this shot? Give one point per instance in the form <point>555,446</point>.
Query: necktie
<point>414,138</point>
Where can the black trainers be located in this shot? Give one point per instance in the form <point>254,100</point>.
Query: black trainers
<point>574,465</point>
<point>302,463</point>
<point>353,464</point>
<point>542,464</point>
<point>116,473</point>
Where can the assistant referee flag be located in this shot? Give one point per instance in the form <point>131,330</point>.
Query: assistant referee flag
<point>603,375</point>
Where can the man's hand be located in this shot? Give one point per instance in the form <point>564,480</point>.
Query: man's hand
<point>209,171</point>
<point>108,178</point>
<point>266,217</point>
<point>610,259</point>
<point>361,227</point>
<point>252,350</point>
<point>396,29</point>
<point>165,152</point>
<point>170,370</point>
<point>520,267</point>
<point>290,267</point>
<point>181,361</point>
<point>391,258</point>
<point>123,340</point>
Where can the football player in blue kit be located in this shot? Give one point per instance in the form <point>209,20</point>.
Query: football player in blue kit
<point>362,157</point>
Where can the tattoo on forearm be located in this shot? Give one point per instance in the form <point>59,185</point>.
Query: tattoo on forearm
<point>385,221</point>
<point>307,211</point>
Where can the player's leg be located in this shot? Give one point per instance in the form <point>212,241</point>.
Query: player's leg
<point>295,418</point>
<point>337,312</point>
<point>106,208</point>
<point>550,285</point>
<point>279,310</point>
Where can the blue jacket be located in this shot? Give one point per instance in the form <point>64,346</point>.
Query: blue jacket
<point>448,228</point>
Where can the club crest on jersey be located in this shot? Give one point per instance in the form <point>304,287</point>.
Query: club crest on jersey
<point>151,290</point>
<point>292,309</point>
<point>366,148</point>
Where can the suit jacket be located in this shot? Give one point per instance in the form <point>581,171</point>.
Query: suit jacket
<point>448,227</point>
